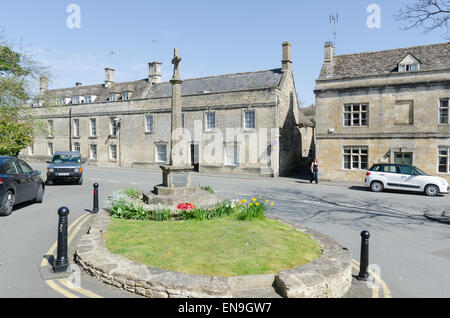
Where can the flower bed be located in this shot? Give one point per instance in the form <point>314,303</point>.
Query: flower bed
<point>125,204</point>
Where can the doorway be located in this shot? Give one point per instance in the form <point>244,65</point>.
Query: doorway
<point>195,157</point>
<point>403,158</point>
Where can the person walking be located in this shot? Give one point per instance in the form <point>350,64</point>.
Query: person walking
<point>314,171</point>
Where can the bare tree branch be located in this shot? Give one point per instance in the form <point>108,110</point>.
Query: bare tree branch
<point>427,15</point>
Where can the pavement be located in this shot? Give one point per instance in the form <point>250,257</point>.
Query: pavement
<point>410,253</point>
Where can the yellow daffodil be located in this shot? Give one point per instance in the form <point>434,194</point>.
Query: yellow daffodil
<point>254,199</point>
<point>243,201</point>
<point>260,196</point>
<point>271,204</point>
<point>257,204</point>
<point>267,201</point>
<point>251,204</point>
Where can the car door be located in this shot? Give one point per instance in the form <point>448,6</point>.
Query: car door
<point>31,184</point>
<point>391,174</point>
<point>409,179</point>
<point>18,180</point>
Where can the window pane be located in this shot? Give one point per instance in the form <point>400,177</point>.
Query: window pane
<point>347,150</point>
<point>355,119</point>
<point>211,121</point>
<point>348,119</point>
<point>161,153</point>
<point>364,163</point>
<point>443,151</point>
<point>355,162</point>
<point>347,162</point>
<point>347,108</point>
<point>356,107</point>
<point>149,124</point>
<point>364,119</point>
<point>249,120</point>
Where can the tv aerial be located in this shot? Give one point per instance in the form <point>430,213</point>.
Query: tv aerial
<point>334,19</point>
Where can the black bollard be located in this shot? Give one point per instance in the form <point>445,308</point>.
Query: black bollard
<point>95,208</point>
<point>364,264</point>
<point>62,261</point>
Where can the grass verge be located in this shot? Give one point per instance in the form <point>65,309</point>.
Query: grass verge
<point>220,247</point>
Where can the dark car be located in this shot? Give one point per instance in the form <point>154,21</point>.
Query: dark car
<point>65,166</point>
<point>19,183</point>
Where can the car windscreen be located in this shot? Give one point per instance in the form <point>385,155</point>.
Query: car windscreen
<point>420,172</point>
<point>66,159</point>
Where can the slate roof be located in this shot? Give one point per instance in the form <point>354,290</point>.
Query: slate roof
<point>432,57</point>
<point>213,84</point>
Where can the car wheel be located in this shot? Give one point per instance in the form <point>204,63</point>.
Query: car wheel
<point>377,186</point>
<point>7,204</point>
<point>431,190</point>
<point>49,182</point>
<point>40,194</point>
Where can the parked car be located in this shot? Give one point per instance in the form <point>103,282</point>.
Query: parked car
<point>19,183</point>
<point>65,166</point>
<point>404,177</point>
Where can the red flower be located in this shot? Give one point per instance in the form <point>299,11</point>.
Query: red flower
<point>186,206</point>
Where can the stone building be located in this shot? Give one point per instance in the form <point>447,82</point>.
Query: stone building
<point>383,107</point>
<point>236,123</point>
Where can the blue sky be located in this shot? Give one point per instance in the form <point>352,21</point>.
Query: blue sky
<point>214,37</point>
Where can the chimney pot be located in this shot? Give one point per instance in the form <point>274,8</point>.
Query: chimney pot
<point>77,84</point>
<point>154,72</point>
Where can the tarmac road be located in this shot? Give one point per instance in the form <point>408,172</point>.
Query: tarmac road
<point>412,252</point>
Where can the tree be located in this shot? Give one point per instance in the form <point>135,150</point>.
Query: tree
<point>17,126</point>
<point>427,15</point>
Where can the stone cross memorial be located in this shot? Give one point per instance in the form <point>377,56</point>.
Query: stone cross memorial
<point>177,173</point>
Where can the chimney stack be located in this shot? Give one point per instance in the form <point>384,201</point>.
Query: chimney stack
<point>78,84</point>
<point>109,77</point>
<point>154,72</point>
<point>329,51</point>
<point>287,61</point>
<point>43,85</point>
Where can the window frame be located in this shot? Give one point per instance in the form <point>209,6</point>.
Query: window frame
<point>441,108</point>
<point>352,113</point>
<point>250,111</point>
<point>93,128</point>
<point>207,128</point>
<point>352,154</point>
<point>447,156</point>
<point>111,152</point>
<point>91,152</point>
<point>146,124</point>
<point>157,159</point>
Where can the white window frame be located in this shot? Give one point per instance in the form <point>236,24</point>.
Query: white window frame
<point>157,157</point>
<point>51,128</point>
<point>88,99</point>
<point>77,145</point>
<point>93,127</point>
<point>113,154</point>
<point>447,156</point>
<point>76,127</point>
<point>207,122</point>
<point>112,97</point>
<point>352,154</point>
<point>235,147</point>
<point>126,95</point>
<point>354,112</point>
<point>93,154</point>
<point>442,108</point>
<point>245,119</point>
<point>146,124</point>
<point>113,127</point>
<point>50,149</point>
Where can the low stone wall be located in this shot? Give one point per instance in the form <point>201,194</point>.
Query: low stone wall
<point>328,276</point>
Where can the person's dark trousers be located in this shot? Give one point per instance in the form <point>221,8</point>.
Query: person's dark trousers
<point>314,177</point>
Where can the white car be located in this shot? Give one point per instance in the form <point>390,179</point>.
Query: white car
<point>404,177</point>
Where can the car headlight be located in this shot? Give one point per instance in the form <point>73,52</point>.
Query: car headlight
<point>51,170</point>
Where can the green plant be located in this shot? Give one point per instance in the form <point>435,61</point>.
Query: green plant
<point>133,193</point>
<point>126,210</point>
<point>207,189</point>
<point>160,215</point>
<point>255,209</point>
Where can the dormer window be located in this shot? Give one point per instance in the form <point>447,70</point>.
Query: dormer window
<point>409,64</point>
<point>112,97</point>
<point>88,99</point>
<point>126,95</point>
